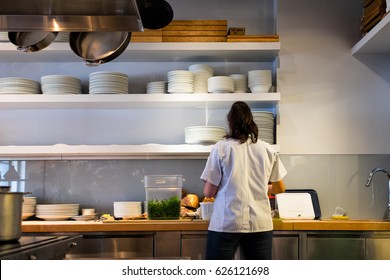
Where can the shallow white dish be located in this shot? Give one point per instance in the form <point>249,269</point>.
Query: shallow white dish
<point>83,217</point>
<point>54,217</point>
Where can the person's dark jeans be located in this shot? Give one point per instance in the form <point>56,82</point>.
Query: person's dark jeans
<point>254,245</point>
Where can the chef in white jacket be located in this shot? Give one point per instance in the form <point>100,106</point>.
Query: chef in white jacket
<point>237,173</point>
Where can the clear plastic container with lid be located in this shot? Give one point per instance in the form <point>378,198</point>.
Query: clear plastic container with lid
<point>163,196</point>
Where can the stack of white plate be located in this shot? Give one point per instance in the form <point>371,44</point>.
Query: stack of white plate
<point>56,212</point>
<point>203,134</point>
<point>28,207</point>
<point>180,81</point>
<point>103,82</point>
<point>124,209</point>
<point>202,72</point>
<point>14,85</point>
<point>156,87</point>
<point>220,84</point>
<point>240,82</point>
<point>266,124</point>
<point>260,81</point>
<point>60,84</point>
<point>62,37</point>
<point>4,37</point>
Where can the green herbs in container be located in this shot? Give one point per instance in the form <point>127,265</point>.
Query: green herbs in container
<point>163,195</point>
<point>164,209</point>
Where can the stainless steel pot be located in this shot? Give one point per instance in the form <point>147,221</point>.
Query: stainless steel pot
<point>10,215</point>
<point>32,41</point>
<point>96,48</point>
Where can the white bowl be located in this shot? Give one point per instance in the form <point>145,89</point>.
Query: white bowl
<point>260,88</point>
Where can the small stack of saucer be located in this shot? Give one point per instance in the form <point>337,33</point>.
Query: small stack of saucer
<point>87,214</point>
<point>28,207</point>
<point>156,87</point>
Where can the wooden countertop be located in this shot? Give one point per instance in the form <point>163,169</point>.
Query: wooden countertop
<point>348,225</point>
<point>98,226</point>
<point>196,225</point>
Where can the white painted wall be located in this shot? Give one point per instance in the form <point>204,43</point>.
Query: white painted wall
<point>332,102</point>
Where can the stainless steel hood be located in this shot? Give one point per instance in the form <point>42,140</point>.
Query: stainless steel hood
<point>70,15</point>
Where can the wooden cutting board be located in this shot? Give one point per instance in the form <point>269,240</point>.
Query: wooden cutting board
<point>150,221</point>
<point>194,38</point>
<point>253,38</point>
<point>197,22</point>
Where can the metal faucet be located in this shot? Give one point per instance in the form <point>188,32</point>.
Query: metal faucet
<point>375,170</point>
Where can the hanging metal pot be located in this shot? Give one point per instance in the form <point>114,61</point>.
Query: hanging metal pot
<point>96,48</point>
<point>155,14</point>
<point>10,215</point>
<point>32,41</point>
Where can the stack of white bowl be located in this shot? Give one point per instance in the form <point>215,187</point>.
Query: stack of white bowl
<point>123,209</point>
<point>203,134</point>
<point>220,84</point>
<point>56,212</point>
<point>156,87</point>
<point>202,72</point>
<point>15,85</point>
<point>28,207</point>
<point>106,82</point>
<point>260,81</point>
<point>60,84</point>
<point>180,81</point>
<point>266,123</point>
<point>240,82</point>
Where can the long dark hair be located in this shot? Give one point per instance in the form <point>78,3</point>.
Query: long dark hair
<point>241,124</point>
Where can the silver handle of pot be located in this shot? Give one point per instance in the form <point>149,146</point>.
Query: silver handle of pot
<point>24,49</point>
<point>94,63</point>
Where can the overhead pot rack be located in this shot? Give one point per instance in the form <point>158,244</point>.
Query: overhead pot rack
<point>70,15</point>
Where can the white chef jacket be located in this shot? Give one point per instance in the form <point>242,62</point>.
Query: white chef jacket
<point>242,173</point>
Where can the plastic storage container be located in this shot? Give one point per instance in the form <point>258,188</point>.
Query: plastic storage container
<point>163,196</point>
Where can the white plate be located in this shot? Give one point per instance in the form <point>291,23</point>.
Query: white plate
<point>83,218</point>
<point>54,217</point>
